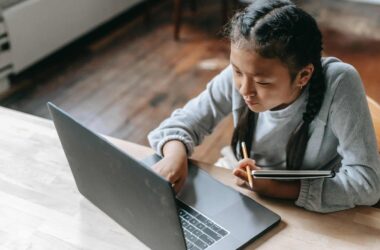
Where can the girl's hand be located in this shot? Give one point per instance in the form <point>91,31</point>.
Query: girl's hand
<point>173,167</point>
<point>174,170</point>
<point>259,185</point>
<point>267,187</point>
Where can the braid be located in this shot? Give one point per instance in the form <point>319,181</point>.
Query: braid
<point>296,147</point>
<point>244,131</point>
<point>316,94</point>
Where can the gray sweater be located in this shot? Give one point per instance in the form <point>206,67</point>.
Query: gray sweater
<point>341,136</point>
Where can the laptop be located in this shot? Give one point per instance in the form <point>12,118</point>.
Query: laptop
<point>205,214</point>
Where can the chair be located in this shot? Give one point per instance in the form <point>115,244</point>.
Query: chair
<point>374,109</point>
<point>178,7</point>
<point>178,4</point>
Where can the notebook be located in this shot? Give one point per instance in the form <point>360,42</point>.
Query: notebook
<point>292,174</point>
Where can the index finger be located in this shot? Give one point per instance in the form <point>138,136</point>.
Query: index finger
<point>247,162</point>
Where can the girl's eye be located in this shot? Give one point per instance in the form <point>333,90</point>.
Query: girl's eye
<point>263,83</point>
<point>238,73</point>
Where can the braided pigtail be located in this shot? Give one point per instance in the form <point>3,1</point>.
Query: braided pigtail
<point>244,131</point>
<point>296,147</point>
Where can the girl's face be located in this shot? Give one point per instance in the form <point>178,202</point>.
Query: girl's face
<point>265,84</point>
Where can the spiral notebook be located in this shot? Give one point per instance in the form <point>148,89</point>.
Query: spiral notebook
<point>292,174</point>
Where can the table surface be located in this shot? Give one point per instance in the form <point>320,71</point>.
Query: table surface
<point>41,208</point>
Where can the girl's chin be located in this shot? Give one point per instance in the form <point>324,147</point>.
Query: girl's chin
<point>256,108</point>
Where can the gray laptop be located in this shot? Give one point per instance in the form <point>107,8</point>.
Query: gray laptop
<point>205,214</point>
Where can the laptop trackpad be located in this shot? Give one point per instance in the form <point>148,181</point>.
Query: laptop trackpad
<point>204,193</point>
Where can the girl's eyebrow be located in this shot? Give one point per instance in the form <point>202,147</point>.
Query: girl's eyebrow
<point>234,65</point>
<point>256,75</point>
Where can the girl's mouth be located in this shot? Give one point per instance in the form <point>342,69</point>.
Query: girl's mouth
<point>251,103</point>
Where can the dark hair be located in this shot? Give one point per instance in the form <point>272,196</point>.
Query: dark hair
<point>279,29</point>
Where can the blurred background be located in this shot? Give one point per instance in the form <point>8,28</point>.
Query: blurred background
<point>121,67</point>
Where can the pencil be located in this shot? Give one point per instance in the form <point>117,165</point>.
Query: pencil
<point>247,169</point>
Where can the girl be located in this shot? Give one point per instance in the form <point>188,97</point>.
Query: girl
<point>294,109</point>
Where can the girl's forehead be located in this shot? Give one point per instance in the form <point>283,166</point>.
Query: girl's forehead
<point>251,62</point>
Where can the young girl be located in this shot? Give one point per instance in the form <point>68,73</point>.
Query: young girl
<point>294,110</point>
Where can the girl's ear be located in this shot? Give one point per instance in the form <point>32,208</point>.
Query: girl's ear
<point>304,75</point>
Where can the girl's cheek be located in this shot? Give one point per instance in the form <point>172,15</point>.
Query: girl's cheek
<point>237,82</point>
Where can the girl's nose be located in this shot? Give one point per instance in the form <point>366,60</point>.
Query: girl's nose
<point>247,87</point>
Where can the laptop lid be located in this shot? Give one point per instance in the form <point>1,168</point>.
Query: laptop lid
<point>131,194</point>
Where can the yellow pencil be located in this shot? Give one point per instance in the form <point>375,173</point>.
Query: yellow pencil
<point>247,169</point>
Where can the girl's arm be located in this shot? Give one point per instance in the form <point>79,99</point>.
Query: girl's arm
<point>357,181</point>
<point>198,117</point>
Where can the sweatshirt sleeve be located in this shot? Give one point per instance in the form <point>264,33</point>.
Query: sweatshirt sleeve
<point>357,181</point>
<point>198,117</point>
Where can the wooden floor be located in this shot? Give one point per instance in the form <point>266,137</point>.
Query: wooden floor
<point>126,78</point>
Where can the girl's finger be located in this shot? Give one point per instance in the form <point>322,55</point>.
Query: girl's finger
<point>171,178</point>
<point>247,162</point>
<point>178,185</point>
<point>241,174</point>
<point>239,181</point>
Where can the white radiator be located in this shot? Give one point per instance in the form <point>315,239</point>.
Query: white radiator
<point>32,29</point>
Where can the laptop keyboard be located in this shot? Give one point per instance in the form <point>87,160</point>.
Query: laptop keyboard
<point>200,232</point>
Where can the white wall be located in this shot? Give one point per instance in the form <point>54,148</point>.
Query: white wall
<point>36,28</point>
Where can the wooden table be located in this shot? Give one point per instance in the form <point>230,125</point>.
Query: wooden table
<point>41,208</point>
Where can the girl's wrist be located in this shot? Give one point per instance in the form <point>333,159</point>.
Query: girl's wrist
<point>288,189</point>
<point>280,189</point>
<point>174,149</point>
